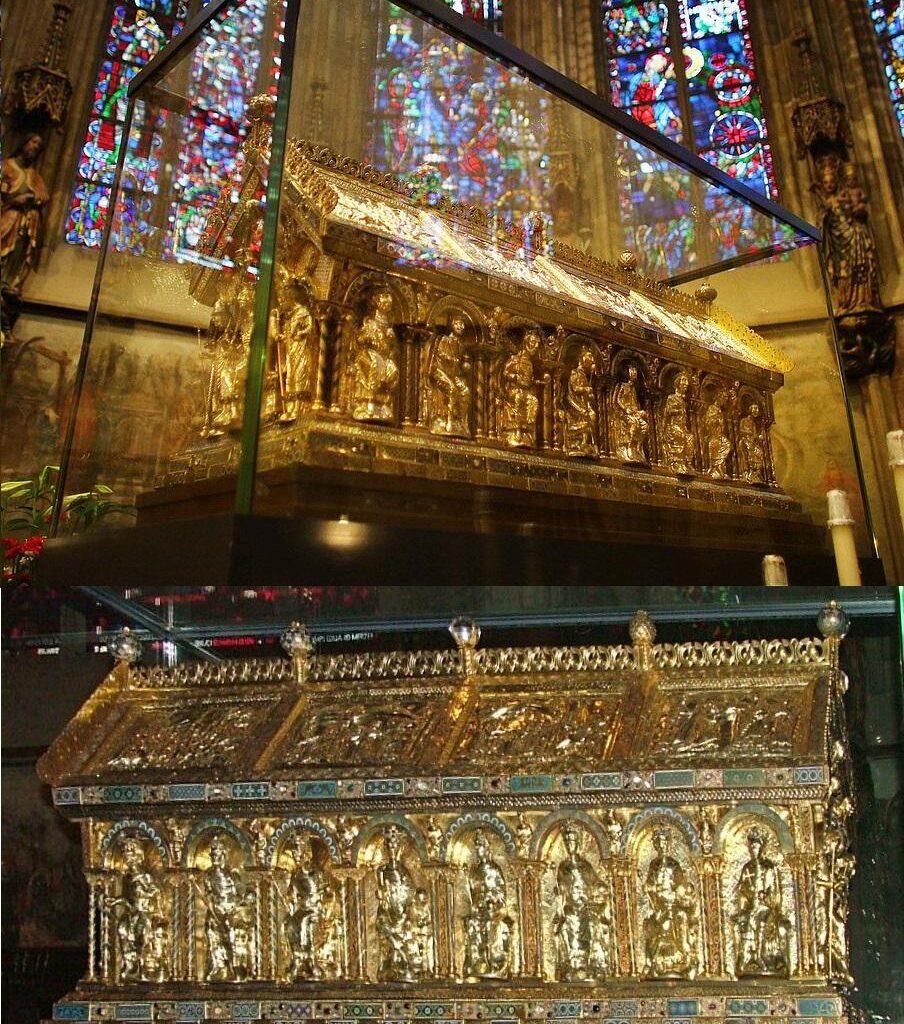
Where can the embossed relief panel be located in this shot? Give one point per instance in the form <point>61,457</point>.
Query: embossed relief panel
<point>135,896</point>
<point>307,924</point>
<point>223,906</point>
<point>704,719</point>
<point>383,727</point>
<point>206,731</point>
<point>522,727</point>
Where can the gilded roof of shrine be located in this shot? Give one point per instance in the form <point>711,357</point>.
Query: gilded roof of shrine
<point>531,712</point>
<point>448,235</point>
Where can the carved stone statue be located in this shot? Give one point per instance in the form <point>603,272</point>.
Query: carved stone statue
<point>582,921</point>
<point>751,446</point>
<point>311,921</point>
<point>228,917</point>
<point>715,440</point>
<point>24,196</point>
<point>448,390</point>
<point>670,929</point>
<point>677,438</point>
<point>518,400</point>
<point>629,423</point>
<point>375,366</point>
<point>488,926</point>
<point>580,408</point>
<point>402,956</point>
<point>848,240</point>
<point>140,920</point>
<point>761,931</point>
<point>294,347</point>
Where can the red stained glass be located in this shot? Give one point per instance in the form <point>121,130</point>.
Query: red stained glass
<point>138,31</point>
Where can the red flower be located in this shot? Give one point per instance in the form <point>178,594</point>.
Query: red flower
<point>33,545</point>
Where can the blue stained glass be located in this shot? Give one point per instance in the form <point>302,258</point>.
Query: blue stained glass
<point>87,214</point>
<point>454,123</point>
<point>727,127</point>
<point>135,36</point>
<point>138,31</point>
<point>224,76</point>
<point>888,21</point>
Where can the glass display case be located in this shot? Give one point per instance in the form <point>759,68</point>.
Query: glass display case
<point>394,270</point>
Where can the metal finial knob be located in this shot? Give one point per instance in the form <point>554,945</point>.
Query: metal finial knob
<point>706,293</point>
<point>465,632</point>
<point>833,621</point>
<point>642,629</point>
<point>628,261</point>
<point>125,646</point>
<point>296,641</point>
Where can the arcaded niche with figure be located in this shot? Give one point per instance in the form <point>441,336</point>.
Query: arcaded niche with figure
<point>615,832</point>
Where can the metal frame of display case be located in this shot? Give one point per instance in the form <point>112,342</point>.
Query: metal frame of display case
<point>497,48</point>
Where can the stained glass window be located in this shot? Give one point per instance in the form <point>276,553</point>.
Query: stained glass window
<point>888,21</point>
<point>223,78</point>
<point>138,30</point>
<point>709,101</point>
<point>454,122</point>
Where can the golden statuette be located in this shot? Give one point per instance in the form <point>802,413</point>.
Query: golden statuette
<point>425,833</point>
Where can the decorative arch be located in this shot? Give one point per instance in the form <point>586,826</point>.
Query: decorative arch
<point>379,824</point>
<point>132,826</point>
<point>758,810</point>
<point>217,825</point>
<point>625,357</point>
<point>547,825</point>
<point>647,818</point>
<point>308,825</point>
<point>471,822</point>
<point>447,305</point>
<point>364,283</point>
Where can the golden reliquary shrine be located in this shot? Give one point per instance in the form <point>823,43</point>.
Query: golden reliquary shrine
<point>422,339</point>
<point>609,833</point>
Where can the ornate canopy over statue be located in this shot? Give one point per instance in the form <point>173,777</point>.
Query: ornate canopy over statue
<point>661,827</point>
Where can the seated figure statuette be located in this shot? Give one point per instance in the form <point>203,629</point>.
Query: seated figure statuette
<point>761,930</point>
<point>630,424</point>
<point>311,922</point>
<point>677,437</point>
<point>374,365</point>
<point>582,921</point>
<point>670,927</point>
<point>228,917</point>
<point>580,408</point>
<point>488,925</point>
<point>518,402</point>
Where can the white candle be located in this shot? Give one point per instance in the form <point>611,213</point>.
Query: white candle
<point>841,525</point>
<point>775,572</point>
<point>895,441</point>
